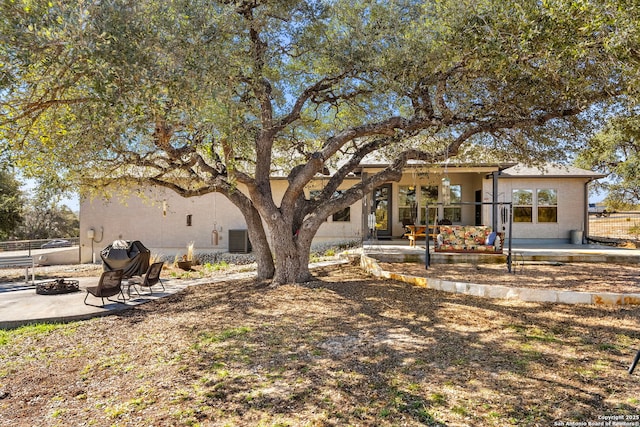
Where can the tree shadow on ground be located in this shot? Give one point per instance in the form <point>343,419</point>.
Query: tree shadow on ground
<point>354,350</point>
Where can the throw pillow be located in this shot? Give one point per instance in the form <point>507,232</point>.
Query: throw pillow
<point>491,238</point>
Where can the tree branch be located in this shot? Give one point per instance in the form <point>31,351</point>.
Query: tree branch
<point>315,89</point>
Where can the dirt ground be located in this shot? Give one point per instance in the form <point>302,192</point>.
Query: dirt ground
<point>343,349</point>
<point>592,277</point>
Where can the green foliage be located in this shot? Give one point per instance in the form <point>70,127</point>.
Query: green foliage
<point>217,266</point>
<point>202,95</point>
<point>136,64</point>
<point>45,218</point>
<point>615,152</point>
<point>206,338</point>
<point>11,204</point>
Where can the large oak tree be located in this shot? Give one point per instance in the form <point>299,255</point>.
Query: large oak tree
<point>615,151</point>
<point>202,96</point>
<point>11,204</point>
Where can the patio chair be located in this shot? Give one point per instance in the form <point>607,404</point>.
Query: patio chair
<point>150,278</point>
<point>634,363</point>
<point>110,284</point>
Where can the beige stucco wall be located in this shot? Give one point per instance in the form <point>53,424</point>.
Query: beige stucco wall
<point>158,218</point>
<point>571,205</point>
<point>165,231</point>
<point>57,256</point>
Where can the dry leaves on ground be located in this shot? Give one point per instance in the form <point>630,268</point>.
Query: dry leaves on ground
<point>344,349</point>
<point>586,277</point>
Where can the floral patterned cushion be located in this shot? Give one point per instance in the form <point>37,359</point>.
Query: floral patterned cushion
<point>466,239</point>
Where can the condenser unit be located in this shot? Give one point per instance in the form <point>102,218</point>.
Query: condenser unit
<point>239,241</point>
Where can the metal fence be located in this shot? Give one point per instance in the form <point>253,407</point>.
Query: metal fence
<point>616,226</point>
<point>29,245</point>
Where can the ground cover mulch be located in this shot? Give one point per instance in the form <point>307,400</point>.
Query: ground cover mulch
<point>583,277</point>
<point>343,349</point>
<point>13,275</point>
<point>10,275</point>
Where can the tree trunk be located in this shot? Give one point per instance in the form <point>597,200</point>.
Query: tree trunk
<point>287,260</point>
<point>257,235</point>
<point>260,246</point>
<point>291,255</point>
<point>264,260</point>
<point>303,244</point>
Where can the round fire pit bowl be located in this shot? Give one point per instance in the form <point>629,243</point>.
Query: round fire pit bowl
<point>58,286</point>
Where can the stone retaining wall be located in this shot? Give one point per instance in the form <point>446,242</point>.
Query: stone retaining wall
<point>504,292</point>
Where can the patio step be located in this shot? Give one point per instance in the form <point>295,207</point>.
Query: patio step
<point>518,257</point>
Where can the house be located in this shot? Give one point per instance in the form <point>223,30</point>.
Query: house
<point>547,204</point>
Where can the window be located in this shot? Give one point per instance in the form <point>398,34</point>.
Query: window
<point>428,195</point>
<point>343,215</point>
<point>547,205</point>
<point>407,205</point>
<point>522,205</point>
<point>189,220</point>
<point>454,213</point>
<point>381,202</point>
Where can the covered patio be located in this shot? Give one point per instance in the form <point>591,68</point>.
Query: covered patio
<point>398,250</point>
<point>545,204</point>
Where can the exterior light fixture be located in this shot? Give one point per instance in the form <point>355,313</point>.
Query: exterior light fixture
<point>446,190</point>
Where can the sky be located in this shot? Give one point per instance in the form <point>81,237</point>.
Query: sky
<point>73,201</point>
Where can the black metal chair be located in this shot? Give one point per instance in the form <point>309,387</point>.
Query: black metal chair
<point>634,363</point>
<point>110,284</point>
<point>150,278</point>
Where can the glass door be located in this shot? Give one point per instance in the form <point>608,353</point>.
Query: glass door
<point>382,209</point>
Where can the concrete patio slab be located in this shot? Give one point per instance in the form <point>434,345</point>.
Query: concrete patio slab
<point>20,305</point>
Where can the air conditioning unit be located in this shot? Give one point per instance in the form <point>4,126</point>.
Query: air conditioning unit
<point>239,241</point>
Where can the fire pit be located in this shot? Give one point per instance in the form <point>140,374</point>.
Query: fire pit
<point>58,286</point>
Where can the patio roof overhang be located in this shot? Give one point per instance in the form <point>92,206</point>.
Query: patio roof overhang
<point>549,171</point>
<point>488,168</point>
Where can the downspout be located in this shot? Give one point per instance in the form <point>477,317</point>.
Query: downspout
<point>585,211</point>
<point>494,197</point>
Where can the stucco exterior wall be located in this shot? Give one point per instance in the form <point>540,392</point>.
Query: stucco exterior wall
<point>571,205</point>
<point>158,218</point>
